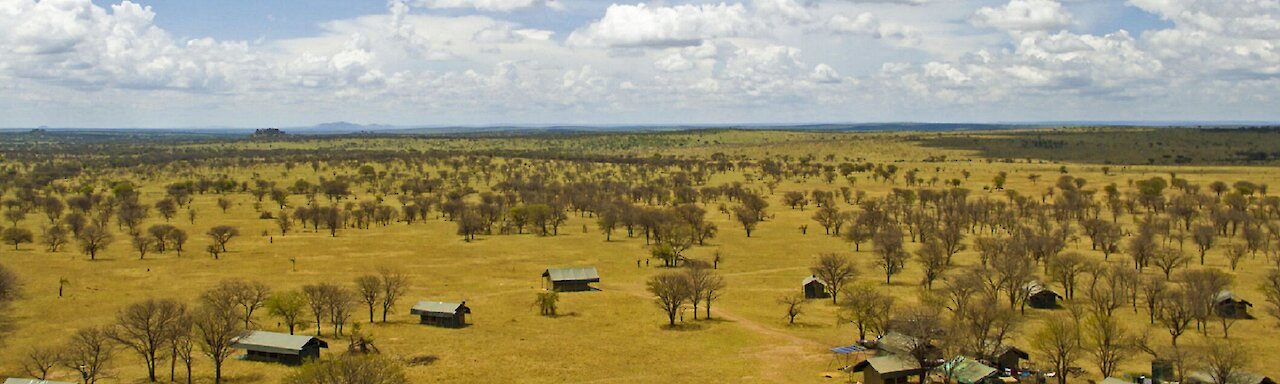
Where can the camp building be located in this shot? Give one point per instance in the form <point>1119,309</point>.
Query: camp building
<point>279,347</point>
<point>570,279</point>
<point>439,313</point>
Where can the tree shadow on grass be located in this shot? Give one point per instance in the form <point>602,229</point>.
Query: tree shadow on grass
<point>684,327</point>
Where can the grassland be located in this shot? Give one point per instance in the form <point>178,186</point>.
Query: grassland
<point>615,334</point>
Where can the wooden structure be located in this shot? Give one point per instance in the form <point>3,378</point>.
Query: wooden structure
<point>1010,357</point>
<point>1227,305</point>
<point>279,347</point>
<point>814,288</point>
<point>573,279</point>
<point>438,313</point>
<point>887,369</point>
<point>1041,296</point>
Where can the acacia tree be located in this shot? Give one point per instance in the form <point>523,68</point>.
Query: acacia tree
<point>94,239</point>
<point>146,327</point>
<point>1225,362</point>
<point>221,235</point>
<point>39,361</point>
<point>289,307</point>
<point>1204,236</point>
<point>933,257</point>
<point>670,291</point>
<point>748,218</point>
<point>15,236</point>
<point>836,271</point>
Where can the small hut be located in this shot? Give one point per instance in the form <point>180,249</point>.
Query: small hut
<point>1010,358</point>
<point>279,347</point>
<point>1041,296</point>
<point>438,313</point>
<point>814,288</point>
<point>888,369</point>
<point>1227,305</point>
<point>570,279</point>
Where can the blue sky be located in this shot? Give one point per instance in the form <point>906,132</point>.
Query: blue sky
<point>181,63</point>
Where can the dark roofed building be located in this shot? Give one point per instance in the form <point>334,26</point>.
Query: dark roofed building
<point>570,279</point>
<point>887,369</point>
<point>1010,357</point>
<point>814,288</point>
<point>440,313</point>
<point>1227,305</point>
<point>1041,296</point>
<point>279,347</point>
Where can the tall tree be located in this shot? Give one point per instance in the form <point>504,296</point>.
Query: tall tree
<point>670,291</point>
<point>1059,341</point>
<point>148,326</point>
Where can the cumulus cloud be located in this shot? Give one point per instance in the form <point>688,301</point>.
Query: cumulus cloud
<point>642,25</point>
<point>866,24</point>
<point>489,5</point>
<point>1024,15</point>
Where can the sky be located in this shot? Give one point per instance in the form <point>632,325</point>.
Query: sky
<point>277,63</point>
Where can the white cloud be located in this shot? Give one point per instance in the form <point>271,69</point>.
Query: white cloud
<point>489,5</point>
<point>642,25</point>
<point>867,24</point>
<point>1024,15</point>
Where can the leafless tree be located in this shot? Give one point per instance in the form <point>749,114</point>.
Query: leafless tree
<point>868,308</point>
<point>670,291</point>
<point>217,327</point>
<point>249,296</point>
<point>369,287</point>
<point>146,327</point>
<point>89,352</point>
<point>794,305</point>
<point>1108,341</point>
<point>1059,341</point>
<point>1225,362</point>
<point>835,270</point>
<point>94,239</point>
<point>394,285</point>
<point>39,361</point>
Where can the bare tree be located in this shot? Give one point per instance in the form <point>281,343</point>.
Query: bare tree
<point>248,295</point>
<point>369,287</point>
<point>89,352</point>
<point>39,361</point>
<point>1066,269</point>
<point>1168,259</point>
<point>217,327</point>
<point>1271,290</point>
<point>794,305</point>
<point>926,333</point>
<point>1059,342</point>
<point>1204,236</point>
<point>1176,313</point>
<point>1108,341</point>
<point>868,308</point>
<point>1225,362</point>
<point>394,285</point>
<point>836,271</point>
<point>146,327</point>
<point>933,257</point>
<point>670,291</point>
<point>889,248</point>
